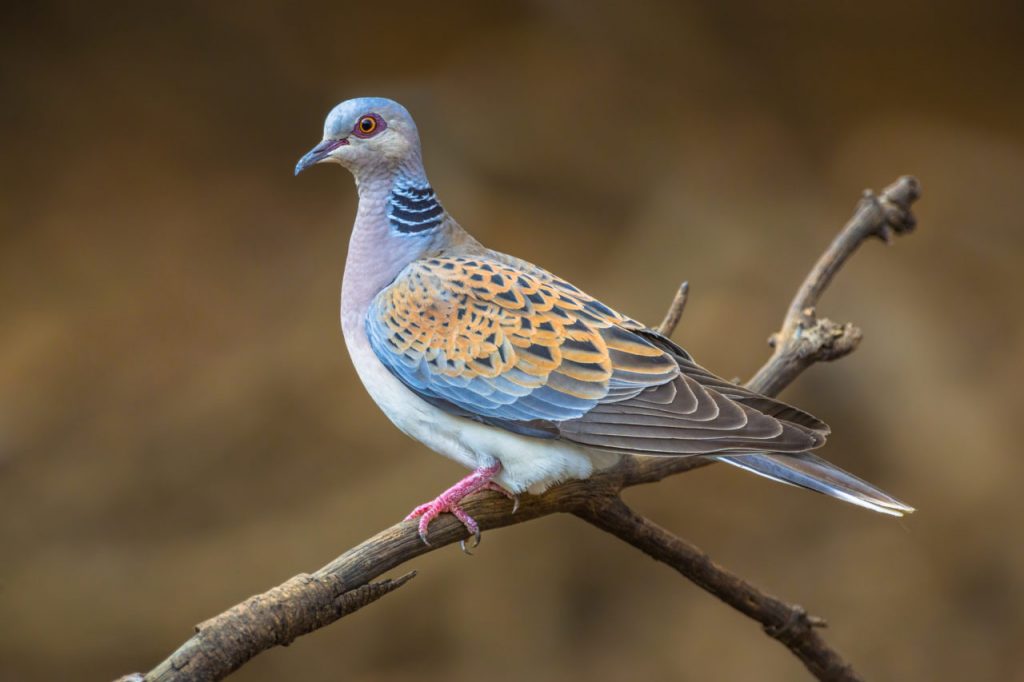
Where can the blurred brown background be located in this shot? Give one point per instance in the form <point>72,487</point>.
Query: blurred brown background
<point>180,426</point>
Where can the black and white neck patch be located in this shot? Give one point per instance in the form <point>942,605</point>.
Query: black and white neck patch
<point>414,208</point>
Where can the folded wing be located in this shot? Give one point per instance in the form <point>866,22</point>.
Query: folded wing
<point>523,350</point>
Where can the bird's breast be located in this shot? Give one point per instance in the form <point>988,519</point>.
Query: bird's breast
<point>528,463</point>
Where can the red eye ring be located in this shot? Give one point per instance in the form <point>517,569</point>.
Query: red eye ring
<point>368,125</point>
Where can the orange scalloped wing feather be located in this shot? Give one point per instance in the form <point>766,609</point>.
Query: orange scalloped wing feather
<point>501,344</point>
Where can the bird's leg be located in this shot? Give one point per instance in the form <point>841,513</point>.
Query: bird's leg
<point>449,500</point>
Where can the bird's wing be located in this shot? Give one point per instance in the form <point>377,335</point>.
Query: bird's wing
<point>501,345</point>
<point>520,349</point>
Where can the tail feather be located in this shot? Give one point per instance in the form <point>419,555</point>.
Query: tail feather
<point>805,470</point>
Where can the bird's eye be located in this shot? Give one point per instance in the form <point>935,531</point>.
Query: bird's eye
<point>369,125</point>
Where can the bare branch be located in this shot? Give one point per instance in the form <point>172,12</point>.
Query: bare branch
<point>299,606</point>
<point>788,624</point>
<point>804,338</point>
<point>675,311</point>
<point>309,602</point>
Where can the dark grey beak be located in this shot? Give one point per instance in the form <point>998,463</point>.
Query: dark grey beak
<point>318,154</point>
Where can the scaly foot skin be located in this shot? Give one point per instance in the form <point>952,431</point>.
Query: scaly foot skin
<point>449,500</point>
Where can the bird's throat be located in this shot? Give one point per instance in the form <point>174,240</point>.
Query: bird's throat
<point>399,219</point>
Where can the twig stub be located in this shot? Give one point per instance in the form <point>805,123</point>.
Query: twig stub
<point>675,311</point>
<point>277,617</point>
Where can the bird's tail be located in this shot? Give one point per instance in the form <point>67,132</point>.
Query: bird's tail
<point>805,470</point>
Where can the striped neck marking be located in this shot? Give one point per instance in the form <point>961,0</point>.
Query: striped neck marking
<point>414,208</point>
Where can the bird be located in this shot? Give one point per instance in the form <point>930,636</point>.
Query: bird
<point>516,373</point>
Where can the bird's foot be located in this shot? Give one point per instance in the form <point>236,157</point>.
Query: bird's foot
<point>449,501</point>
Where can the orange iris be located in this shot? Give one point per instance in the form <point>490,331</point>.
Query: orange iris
<point>367,124</point>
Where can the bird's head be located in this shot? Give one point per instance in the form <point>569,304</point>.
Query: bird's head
<point>364,135</point>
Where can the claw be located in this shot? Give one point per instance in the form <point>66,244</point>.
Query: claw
<point>449,500</point>
<point>491,485</point>
<point>476,543</point>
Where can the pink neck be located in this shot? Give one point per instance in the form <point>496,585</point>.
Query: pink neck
<point>376,255</point>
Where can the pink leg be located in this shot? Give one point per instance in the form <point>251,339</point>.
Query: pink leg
<point>449,500</point>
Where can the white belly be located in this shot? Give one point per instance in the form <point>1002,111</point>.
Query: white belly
<point>527,464</point>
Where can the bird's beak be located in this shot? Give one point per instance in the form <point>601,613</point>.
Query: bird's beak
<point>318,153</point>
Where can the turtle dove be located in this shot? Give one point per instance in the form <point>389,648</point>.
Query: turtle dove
<point>513,371</point>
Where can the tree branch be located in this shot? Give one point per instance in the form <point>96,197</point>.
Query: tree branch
<point>788,624</point>
<point>675,310</point>
<point>308,602</point>
<point>804,338</point>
